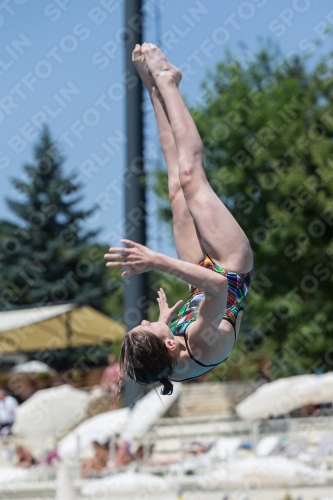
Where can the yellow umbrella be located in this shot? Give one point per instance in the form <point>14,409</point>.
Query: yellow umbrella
<point>55,327</point>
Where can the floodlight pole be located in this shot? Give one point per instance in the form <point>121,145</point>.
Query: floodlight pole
<point>135,196</point>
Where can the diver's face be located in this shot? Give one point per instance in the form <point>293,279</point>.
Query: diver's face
<point>161,330</point>
<point>158,328</point>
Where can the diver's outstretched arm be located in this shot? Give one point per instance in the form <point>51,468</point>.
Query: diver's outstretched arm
<point>140,259</point>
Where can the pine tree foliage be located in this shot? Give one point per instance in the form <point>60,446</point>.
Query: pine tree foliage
<point>48,256</point>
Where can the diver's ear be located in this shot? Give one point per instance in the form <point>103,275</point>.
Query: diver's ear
<point>171,344</point>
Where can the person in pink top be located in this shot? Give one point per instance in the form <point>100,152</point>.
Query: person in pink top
<point>111,374</point>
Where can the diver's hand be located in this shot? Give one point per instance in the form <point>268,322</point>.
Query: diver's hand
<point>166,312</point>
<point>138,258</point>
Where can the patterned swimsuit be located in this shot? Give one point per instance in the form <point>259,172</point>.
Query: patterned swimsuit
<point>238,289</point>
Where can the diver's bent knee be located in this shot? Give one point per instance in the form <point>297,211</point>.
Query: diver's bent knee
<point>188,176</point>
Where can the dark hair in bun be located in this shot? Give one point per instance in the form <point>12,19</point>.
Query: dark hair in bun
<point>167,387</point>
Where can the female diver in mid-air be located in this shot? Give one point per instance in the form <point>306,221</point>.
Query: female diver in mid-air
<point>188,339</point>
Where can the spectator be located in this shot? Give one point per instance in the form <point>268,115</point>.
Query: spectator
<point>22,385</point>
<point>8,406</point>
<point>111,374</point>
<point>98,462</point>
<point>107,386</point>
<point>123,454</point>
<point>24,457</point>
<point>52,457</point>
<point>143,453</point>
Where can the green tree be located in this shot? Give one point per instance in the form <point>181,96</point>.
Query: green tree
<point>267,129</point>
<point>49,256</point>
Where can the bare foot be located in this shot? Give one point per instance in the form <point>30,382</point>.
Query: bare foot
<point>142,68</point>
<point>158,64</point>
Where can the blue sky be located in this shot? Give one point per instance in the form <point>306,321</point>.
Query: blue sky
<point>62,61</point>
